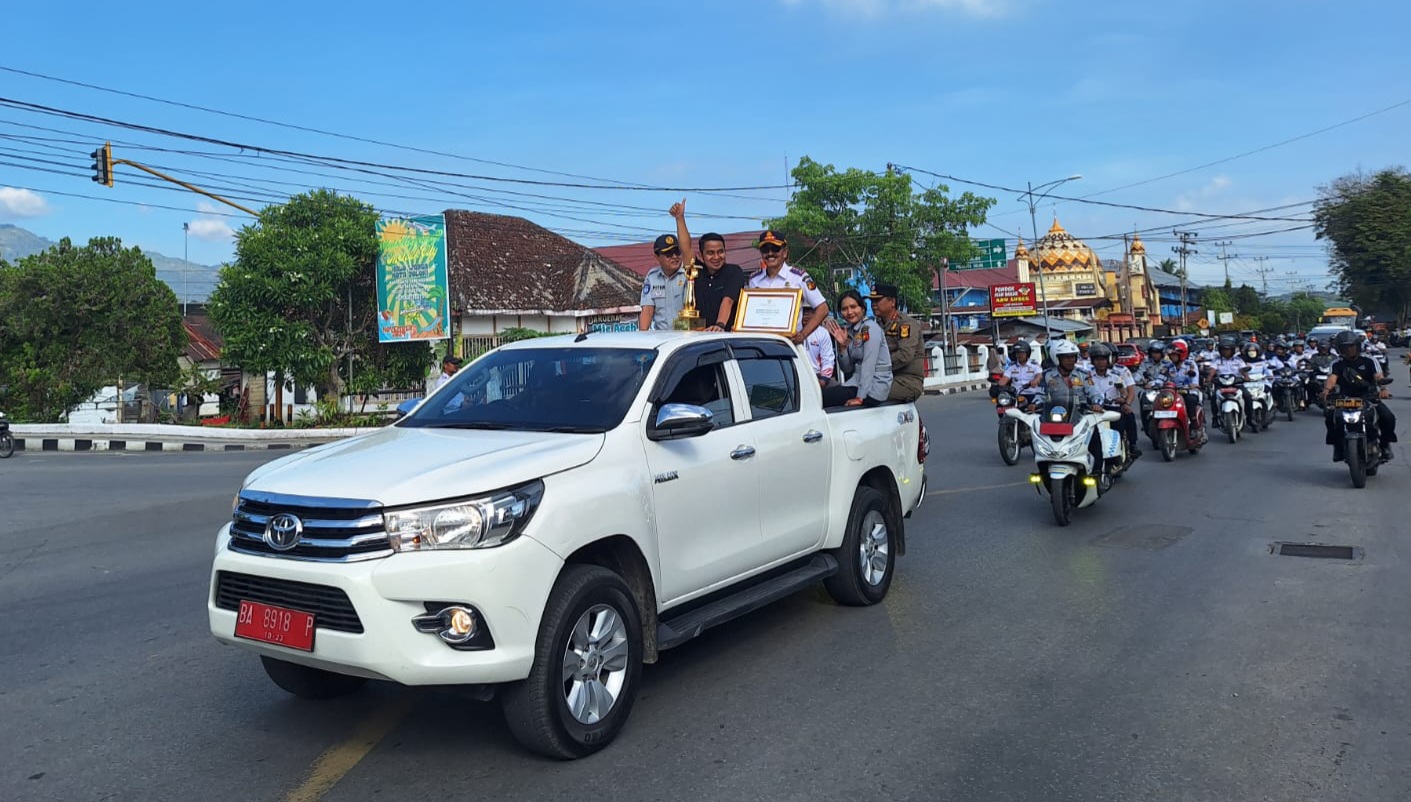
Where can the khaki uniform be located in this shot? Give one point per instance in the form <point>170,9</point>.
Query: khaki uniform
<point>908,358</point>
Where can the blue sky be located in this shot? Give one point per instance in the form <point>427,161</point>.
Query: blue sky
<point>714,94</point>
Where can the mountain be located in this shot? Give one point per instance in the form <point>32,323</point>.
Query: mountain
<point>198,280</point>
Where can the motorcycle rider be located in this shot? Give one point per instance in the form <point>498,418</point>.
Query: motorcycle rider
<point>1021,372</point>
<point>1258,364</point>
<point>1066,385</point>
<point>1185,374</point>
<point>1278,359</point>
<point>1085,361</point>
<point>1355,375</point>
<point>1225,364</point>
<point>1115,385</point>
<point>1298,355</point>
<point>1153,365</point>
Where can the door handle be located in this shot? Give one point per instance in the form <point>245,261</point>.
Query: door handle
<point>812,436</point>
<point>743,452</point>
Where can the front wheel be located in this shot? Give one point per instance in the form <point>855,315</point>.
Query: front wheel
<point>1168,445</point>
<point>1062,504</point>
<point>587,665</point>
<point>867,557</point>
<point>7,445</point>
<point>309,683</point>
<point>1355,465</point>
<point>1291,402</point>
<point>1231,426</point>
<point>1009,441</point>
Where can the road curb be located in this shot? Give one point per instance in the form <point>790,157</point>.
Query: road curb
<point>952,389</point>
<point>83,444</point>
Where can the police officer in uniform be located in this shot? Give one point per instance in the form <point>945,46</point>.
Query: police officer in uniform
<point>903,344</point>
<point>664,290</point>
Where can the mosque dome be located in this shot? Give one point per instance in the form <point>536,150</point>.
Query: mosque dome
<point>1059,250</point>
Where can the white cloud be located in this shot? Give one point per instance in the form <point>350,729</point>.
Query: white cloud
<point>877,8</point>
<point>15,202</point>
<point>209,227</point>
<point>1200,197</point>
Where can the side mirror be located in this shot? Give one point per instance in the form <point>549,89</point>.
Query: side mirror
<point>1384,382</point>
<point>677,421</point>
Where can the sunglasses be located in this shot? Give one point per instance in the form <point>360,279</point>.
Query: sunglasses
<point>770,250</point>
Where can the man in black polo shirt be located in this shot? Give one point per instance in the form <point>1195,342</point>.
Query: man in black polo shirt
<point>1355,375</point>
<point>718,285</point>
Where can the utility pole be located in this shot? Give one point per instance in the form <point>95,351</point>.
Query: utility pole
<point>103,163</point>
<point>1124,286</point>
<point>186,262</point>
<point>1184,250</point>
<point>1263,271</point>
<point>1225,258</point>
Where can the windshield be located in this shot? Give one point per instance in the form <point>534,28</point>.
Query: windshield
<point>580,390</point>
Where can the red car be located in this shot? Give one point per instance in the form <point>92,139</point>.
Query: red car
<point>1128,355</point>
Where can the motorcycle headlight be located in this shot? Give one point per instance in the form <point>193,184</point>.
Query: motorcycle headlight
<point>476,523</point>
<point>1005,400</point>
<point>1151,395</point>
<point>1352,416</point>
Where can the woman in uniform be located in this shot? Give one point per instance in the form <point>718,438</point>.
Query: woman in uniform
<point>862,357</point>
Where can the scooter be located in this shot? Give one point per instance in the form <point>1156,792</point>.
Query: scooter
<point>1172,424</point>
<point>7,440</point>
<point>1261,405</point>
<point>1356,419</point>
<point>1288,392</point>
<point>1065,465</point>
<point>1013,434</point>
<point>1229,388</point>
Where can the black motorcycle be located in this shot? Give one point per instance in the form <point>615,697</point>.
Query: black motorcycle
<point>1355,423</point>
<point>1317,380</point>
<point>7,440</point>
<point>1288,391</point>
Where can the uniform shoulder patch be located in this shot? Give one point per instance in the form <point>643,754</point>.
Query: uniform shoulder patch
<point>809,283</point>
<point>797,271</point>
<point>905,331</point>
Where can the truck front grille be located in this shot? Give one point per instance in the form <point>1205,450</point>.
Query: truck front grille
<point>330,606</point>
<point>334,530</point>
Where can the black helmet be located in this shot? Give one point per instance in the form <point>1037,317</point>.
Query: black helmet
<point>1297,343</point>
<point>1251,350</point>
<point>1226,342</point>
<point>1100,351</point>
<point>1345,339</point>
<point>1022,345</point>
<point>1156,345</point>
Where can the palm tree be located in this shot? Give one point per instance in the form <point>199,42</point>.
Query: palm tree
<point>1171,266</point>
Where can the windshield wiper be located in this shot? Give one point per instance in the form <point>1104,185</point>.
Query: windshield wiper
<point>573,429</point>
<point>490,425</point>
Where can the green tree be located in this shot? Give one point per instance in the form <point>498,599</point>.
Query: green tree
<point>1170,266</point>
<point>1366,221</point>
<point>880,223</point>
<point>74,319</point>
<point>1304,309</point>
<point>300,299</point>
<point>1246,300</point>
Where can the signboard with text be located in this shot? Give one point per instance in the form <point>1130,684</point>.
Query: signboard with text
<point>992,256</point>
<point>1012,300</point>
<point>412,285</point>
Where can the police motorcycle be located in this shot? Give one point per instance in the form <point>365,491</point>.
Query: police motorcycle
<point>1064,463</point>
<point>1014,435</point>
<point>1355,422</point>
<point>1289,392</point>
<point>7,439</point>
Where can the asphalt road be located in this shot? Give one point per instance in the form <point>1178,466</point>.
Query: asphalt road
<point>1154,650</point>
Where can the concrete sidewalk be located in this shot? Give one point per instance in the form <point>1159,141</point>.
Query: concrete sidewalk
<point>160,437</point>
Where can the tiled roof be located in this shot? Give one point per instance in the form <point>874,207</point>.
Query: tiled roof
<point>638,257</point>
<point>203,342</point>
<point>508,264</point>
<point>979,279</point>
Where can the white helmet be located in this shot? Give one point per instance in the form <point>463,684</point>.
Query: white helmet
<point>1062,348</point>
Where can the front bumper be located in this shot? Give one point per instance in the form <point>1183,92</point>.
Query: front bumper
<point>508,585</point>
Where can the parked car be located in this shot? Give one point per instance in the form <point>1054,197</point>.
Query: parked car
<point>1128,355</point>
<point>559,513</point>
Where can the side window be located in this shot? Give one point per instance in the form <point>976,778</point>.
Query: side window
<point>772,386</point>
<point>704,386</point>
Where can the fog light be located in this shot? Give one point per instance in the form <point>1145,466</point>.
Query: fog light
<point>462,623</point>
<point>1088,481</point>
<point>456,625</point>
<point>1034,478</point>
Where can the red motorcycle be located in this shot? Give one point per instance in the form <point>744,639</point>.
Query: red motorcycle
<point>1173,428</point>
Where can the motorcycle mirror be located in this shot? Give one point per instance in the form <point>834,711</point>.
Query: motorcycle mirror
<point>1384,382</point>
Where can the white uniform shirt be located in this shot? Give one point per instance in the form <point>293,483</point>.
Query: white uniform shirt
<point>1234,366</point>
<point>820,352</point>
<point>795,279</point>
<point>1021,373</point>
<point>1112,387</point>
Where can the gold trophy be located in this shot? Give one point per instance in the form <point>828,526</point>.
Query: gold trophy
<point>690,317</point>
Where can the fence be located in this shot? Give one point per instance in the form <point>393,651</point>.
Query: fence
<point>957,365</point>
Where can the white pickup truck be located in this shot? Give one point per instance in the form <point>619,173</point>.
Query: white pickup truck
<point>556,515</point>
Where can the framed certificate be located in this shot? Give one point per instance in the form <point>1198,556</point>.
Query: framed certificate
<point>769,311</point>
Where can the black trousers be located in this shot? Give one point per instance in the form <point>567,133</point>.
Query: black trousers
<point>840,394</point>
<point>1386,426</point>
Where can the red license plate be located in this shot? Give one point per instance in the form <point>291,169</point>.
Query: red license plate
<point>277,625</point>
<point>1052,429</point>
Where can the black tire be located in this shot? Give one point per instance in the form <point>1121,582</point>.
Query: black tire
<point>1009,441</point>
<point>1291,402</point>
<point>854,585</point>
<point>306,682</point>
<point>1168,445</point>
<point>1231,431</point>
<point>1061,501</point>
<point>536,709</point>
<point>7,445</point>
<point>1355,466</point>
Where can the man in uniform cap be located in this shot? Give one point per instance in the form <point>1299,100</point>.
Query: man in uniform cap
<point>903,342</point>
<point>664,290</point>
<point>777,272</point>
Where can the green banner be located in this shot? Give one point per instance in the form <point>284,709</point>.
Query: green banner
<point>412,288</point>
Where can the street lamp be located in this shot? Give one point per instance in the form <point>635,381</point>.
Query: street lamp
<point>1047,187</point>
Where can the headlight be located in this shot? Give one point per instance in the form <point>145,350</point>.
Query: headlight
<point>1005,400</point>
<point>1353,416</point>
<point>476,523</point>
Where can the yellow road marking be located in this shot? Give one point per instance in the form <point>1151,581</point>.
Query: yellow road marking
<point>335,763</point>
<point>975,489</point>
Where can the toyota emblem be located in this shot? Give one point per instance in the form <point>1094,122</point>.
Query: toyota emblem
<point>283,531</point>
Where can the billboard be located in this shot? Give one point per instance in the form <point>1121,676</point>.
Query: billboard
<point>1012,300</point>
<point>992,256</point>
<point>412,286</point>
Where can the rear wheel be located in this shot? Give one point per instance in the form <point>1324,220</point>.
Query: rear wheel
<point>1168,444</point>
<point>309,683</point>
<point>1355,465</point>
<point>1059,497</point>
<point>868,555</point>
<point>1009,441</point>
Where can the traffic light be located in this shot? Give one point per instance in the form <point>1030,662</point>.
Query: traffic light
<point>103,164</point>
